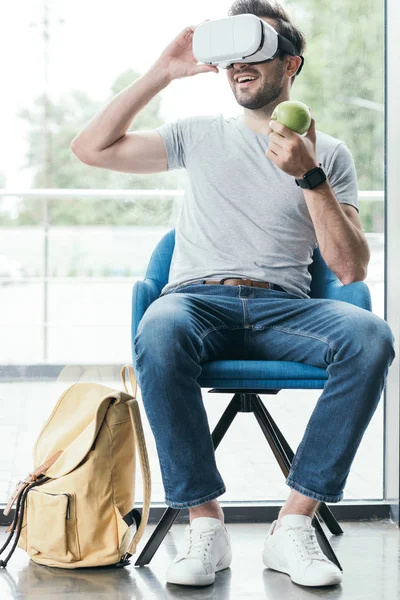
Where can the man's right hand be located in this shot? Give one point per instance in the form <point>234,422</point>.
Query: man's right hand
<point>177,60</point>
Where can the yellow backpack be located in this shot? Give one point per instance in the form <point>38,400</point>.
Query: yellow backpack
<point>76,508</point>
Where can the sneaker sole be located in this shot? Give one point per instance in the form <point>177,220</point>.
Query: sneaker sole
<point>224,563</point>
<point>271,561</point>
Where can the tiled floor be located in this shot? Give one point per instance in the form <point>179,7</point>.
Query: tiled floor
<point>368,551</point>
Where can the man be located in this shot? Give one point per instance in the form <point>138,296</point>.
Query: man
<point>249,231</point>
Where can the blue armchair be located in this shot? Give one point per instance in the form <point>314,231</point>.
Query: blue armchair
<point>248,378</point>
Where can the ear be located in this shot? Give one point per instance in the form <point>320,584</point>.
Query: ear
<point>292,65</point>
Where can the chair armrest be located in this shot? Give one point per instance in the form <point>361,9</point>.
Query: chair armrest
<point>143,294</point>
<point>355,293</point>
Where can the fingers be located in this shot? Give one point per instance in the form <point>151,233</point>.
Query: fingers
<point>201,68</point>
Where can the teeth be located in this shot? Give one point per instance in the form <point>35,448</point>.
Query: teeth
<point>247,78</point>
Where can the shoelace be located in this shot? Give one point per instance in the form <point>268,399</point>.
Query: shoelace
<point>310,543</point>
<point>196,542</point>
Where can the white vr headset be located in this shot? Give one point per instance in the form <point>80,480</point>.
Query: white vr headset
<point>243,39</point>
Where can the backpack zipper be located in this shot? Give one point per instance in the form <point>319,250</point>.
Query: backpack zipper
<point>68,516</point>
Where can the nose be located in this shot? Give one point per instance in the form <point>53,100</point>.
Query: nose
<point>243,67</point>
<point>240,66</point>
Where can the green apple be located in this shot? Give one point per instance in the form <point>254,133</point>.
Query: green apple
<point>293,114</point>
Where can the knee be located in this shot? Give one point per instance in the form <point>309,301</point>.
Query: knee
<point>386,341</point>
<point>164,328</point>
<point>373,338</point>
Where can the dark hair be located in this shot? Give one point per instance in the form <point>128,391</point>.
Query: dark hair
<point>272,10</point>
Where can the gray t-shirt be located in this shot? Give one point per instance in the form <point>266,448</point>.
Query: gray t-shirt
<point>242,215</point>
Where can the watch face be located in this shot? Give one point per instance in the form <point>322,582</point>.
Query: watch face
<point>314,178</point>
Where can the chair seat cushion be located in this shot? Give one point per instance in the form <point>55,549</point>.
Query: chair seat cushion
<point>269,374</point>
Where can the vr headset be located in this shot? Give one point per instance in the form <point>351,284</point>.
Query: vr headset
<point>243,39</point>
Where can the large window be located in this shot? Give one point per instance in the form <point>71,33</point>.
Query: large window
<point>74,238</point>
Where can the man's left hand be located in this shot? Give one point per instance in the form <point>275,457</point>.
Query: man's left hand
<point>295,154</point>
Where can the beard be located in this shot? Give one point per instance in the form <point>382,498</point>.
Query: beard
<point>264,93</point>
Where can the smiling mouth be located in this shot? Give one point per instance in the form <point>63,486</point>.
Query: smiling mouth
<point>246,83</point>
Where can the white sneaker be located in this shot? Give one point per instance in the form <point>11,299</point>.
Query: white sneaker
<point>208,549</point>
<point>294,549</point>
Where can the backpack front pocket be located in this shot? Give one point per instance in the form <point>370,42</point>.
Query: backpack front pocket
<point>51,525</point>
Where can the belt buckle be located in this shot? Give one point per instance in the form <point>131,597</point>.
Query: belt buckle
<point>250,283</point>
<point>221,281</point>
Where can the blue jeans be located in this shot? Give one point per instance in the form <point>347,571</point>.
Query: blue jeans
<point>195,323</point>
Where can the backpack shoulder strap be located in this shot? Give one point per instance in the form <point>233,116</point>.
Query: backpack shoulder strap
<point>129,369</point>
<point>143,458</point>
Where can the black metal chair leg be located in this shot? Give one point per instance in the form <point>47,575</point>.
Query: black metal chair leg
<point>324,543</point>
<point>169,516</point>
<point>280,452</point>
<point>156,538</point>
<point>226,419</point>
<point>329,518</point>
<point>323,510</point>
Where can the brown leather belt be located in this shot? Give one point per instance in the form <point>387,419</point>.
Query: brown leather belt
<point>250,282</point>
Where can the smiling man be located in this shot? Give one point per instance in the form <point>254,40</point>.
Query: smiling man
<point>239,288</point>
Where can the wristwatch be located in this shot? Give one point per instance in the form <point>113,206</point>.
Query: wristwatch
<point>312,179</point>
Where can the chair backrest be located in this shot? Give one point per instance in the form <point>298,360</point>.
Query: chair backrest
<point>160,261</point>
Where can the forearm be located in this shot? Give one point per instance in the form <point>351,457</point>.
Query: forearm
<point>113,121</point>
<point>342,245</point>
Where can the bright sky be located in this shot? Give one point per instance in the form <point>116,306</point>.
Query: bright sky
<point>96,42</point>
